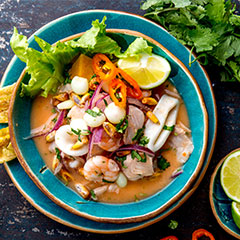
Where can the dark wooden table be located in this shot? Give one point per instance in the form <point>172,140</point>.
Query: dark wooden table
<point>19,220</point>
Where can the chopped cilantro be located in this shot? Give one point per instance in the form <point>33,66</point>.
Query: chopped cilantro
<point>122,125</point>
<point>91,93</point>
<point>173,224</point>
<point>86,132</point>
<point>93,76</point>
<point>138,134</point>
<point>93,113</point>
<point>134,154</point>
<point>54,120</point>
<point>78,133</point>
<point>121,160</point>
<point>175,134</point>
<point>169,128</point>
<point>136,199</point>
<point>67,80</point>
<point>53,110</point>
<point>143,141</point>
<point>106,181</point>
<point>162,163</point>
<point>105,102</point>
<point>165,149</point>
<point>58,154</point>
<point>93,195</point>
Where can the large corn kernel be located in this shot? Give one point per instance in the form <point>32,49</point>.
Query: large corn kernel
<point>62,97</point>
<point>51,136</point>
<point>149,101</point>
<point>84,139</point>
<point>152,117</point>
<point>82,190</point>
<point>55,162</point>
<point>109,129</point>
<point>123,153</point>
<point>77,145</point>
<point>66,176</point>
<point>84,99</point>
<point>75,98</point>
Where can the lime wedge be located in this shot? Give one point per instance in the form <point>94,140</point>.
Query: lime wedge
<point>230,176</point>
<point>236,213</point>
<point>148,71</point>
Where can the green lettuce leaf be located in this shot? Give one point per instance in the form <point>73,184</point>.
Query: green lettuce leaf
<point>46,68</point>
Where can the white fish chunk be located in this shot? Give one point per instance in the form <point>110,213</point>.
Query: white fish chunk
<point>182,143</point>
<point>76,112</point>
<point>136,170</point>
<point>166,111</point>
<point>135,121</point>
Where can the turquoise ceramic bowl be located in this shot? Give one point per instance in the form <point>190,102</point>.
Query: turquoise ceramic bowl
<point>67,198</point>
<point>221,203</point>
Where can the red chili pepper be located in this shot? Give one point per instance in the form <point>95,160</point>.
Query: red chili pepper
<point>202,233</point>
<point>103,67</point>
<point>170,238</point>
<point>133,90</point>
<point>118,92</point>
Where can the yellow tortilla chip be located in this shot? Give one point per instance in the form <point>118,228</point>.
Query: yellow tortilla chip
<point>5,96</point>
<point>6,149</point>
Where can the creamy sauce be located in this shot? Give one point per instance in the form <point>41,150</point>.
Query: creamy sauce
<point>41,111</point>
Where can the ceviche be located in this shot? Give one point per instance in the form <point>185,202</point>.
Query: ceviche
<point>108,122</point>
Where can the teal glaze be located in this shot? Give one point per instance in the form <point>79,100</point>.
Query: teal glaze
<point>222,204</point>
<point>64,27</point>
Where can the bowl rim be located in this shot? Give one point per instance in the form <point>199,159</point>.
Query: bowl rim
<point>123,219</point>
<point>213,177</point>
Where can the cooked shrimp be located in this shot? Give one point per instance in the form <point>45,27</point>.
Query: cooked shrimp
<point>108,143</point>
<point>99,168</point>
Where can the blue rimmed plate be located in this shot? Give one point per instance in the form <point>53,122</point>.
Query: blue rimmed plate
<point>130,22</point>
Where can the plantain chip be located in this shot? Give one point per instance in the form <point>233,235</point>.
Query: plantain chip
<point>6,149</point>
<point>5,96</point>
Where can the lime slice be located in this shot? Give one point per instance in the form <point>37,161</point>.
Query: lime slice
<point>149,70</point>
<point>236,213</point>
<point>230,176</point>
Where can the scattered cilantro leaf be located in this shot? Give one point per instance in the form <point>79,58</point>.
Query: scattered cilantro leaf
<point>169,128</point>
<point>135,154</point>
<point>106,181</point>
<point>173,224</point>
<point>78,133</point>
<point>162,163</point>
<point>122,125</point>
<point>143,141</point>
<point>121,160</point>
<point>58,154</point>
<point>93,113</point>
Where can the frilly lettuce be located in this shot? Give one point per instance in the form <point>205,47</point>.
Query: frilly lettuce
<point>46,68</point>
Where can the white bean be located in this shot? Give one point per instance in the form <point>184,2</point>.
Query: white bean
<point>94,121</point>
<point>65,105</point>
<point>79,85</point>
<point>114,113</point>
<point>121,180</point>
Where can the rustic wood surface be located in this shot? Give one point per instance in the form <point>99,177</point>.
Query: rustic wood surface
<point>19,220</point>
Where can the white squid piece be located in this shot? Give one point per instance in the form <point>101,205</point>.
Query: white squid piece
<point>182,143</point>
<point>166,111</point>
<point>65,139</point>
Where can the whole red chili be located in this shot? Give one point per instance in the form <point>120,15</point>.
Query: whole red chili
<point>169,238</point>
<point>202,233</point>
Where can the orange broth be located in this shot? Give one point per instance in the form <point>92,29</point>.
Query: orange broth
<point>135,190</point>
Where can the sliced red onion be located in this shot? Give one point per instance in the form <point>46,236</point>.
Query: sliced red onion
<point>135,147</point>
<point>95,137</point>
<point>137,103</point>
<point>93,98</point>
<point>177,172</point>
<point>59,121</point>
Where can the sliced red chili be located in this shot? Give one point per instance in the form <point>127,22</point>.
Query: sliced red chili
<point>133,89</point>
<point>103,67</point>
<point>118,92</point>
<point>202,233</point>
<point>169,238</point>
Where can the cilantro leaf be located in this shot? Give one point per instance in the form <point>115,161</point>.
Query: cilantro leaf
<point>162,163</point>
